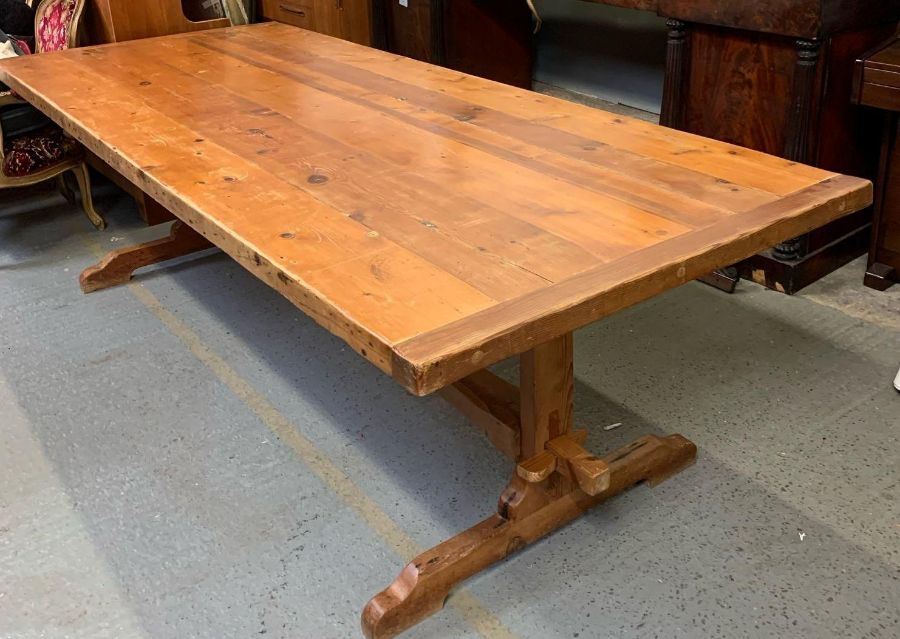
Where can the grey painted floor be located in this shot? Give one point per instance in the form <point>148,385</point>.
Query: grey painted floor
<point>188,456</point>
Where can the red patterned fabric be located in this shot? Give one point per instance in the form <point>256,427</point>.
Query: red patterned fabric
<point>34,152</point>
<point>55,25</point>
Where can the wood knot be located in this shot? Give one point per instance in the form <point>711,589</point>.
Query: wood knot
<point>287,236</point>
<point>317,179</point>
<point>515,544</point>
<point>505,503</point>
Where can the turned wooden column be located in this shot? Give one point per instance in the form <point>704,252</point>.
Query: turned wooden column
<point>798,143</point>
<point>674,98</point>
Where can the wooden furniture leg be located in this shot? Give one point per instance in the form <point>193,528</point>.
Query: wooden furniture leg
<point>83,177</point>
<point>880,276</point>
<point>118,266</point>
<point>555,481</point>
<point>64,189</point>
<point>725,279</point>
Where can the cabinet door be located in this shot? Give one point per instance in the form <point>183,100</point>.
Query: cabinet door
<point>356,20</point>
<point>327,17</point>
<point>347,19</point>
<point>487,38</point>
<point>412,29</point>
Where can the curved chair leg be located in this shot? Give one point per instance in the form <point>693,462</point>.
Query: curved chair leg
<point>65,189</point>
<point>87,202</point>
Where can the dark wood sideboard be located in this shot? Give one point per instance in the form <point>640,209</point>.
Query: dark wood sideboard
<point>488,38</point>
<point>877,85</point>
<point>776,75</point>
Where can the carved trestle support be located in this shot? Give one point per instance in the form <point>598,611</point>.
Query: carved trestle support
<point>553,484</point>
<point>118,266</point>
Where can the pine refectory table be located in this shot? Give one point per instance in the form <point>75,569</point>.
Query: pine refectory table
<point>436,222</point>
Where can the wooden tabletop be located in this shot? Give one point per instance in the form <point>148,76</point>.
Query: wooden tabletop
<point>436,222</point>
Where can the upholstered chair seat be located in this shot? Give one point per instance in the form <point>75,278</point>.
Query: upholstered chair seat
<point>48,153</point>
<point>32,153</point>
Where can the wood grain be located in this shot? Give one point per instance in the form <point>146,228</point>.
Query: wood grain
<point>435,221</point>
<point>547,381</point>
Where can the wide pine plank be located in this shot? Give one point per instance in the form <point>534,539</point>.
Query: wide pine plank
<point>470,170</point>
<point>422,83</point>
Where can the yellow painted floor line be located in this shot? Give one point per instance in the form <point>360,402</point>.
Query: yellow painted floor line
<point>463,602</point>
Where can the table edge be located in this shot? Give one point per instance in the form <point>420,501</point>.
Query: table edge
<point>433,360</point>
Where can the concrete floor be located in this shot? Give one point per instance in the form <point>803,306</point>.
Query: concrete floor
<point>595,49</point>
<point>189,456</point>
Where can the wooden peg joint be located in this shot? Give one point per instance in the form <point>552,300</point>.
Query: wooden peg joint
<point>567,456</point>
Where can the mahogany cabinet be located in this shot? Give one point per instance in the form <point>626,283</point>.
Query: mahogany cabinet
<point>488,38</point>
<point>776,76</point>
<point>877,85</point>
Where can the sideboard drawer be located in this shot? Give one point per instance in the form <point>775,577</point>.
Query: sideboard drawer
<point>290,12</point>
